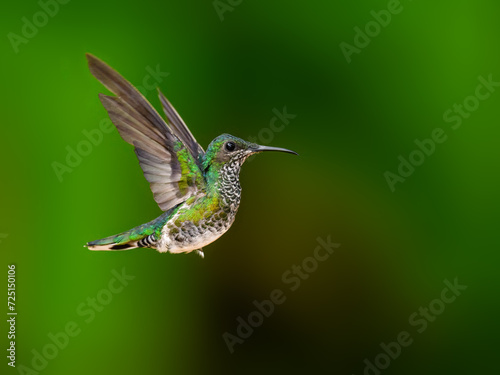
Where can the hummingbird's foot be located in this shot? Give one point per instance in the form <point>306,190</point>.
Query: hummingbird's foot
<point>200,253</point>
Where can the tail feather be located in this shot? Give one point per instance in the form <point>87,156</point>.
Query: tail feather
<point>144,235</point>
<point>141,236</point>
<point>112,243</point>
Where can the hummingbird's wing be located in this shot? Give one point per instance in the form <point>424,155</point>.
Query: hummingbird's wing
<point>181,130</point>
<point>167,162</point>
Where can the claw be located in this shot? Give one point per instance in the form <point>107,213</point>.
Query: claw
<point>200,253</point>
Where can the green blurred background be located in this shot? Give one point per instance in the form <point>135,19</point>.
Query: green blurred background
<point>352,122</point>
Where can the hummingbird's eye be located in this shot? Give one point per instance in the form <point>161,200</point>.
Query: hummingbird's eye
<point>230,146</point>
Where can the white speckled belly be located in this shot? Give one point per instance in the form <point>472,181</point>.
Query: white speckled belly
<point>185,236</point>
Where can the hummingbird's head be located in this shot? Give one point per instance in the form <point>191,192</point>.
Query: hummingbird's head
<point>228,149</point>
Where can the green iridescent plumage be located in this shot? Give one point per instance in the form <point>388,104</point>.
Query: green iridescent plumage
<point>137,233</point>
<point>191,174</point>
<point>199,191</point>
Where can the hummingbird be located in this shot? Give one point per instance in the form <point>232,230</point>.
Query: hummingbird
<point>199,192</point>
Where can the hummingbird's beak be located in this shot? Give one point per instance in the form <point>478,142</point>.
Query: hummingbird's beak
<point>260,148</point>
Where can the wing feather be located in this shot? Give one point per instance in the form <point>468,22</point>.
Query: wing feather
<point>157,146</point>
<point>181,130</point>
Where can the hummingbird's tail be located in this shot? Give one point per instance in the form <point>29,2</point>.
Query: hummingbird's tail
<point>145,235</point>
<point>142,236</point>
<point>116,242</point>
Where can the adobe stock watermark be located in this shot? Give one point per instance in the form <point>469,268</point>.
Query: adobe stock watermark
<point>94,137</point>
<point>32,25</point>
<point>223,6</point>
<point>87,311</point>
<point>292,278</point>
<point>363,37</point>
<point>426,147</point>
<point>419,321</point>
<point>152,79</point>
<point>278,123</point>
